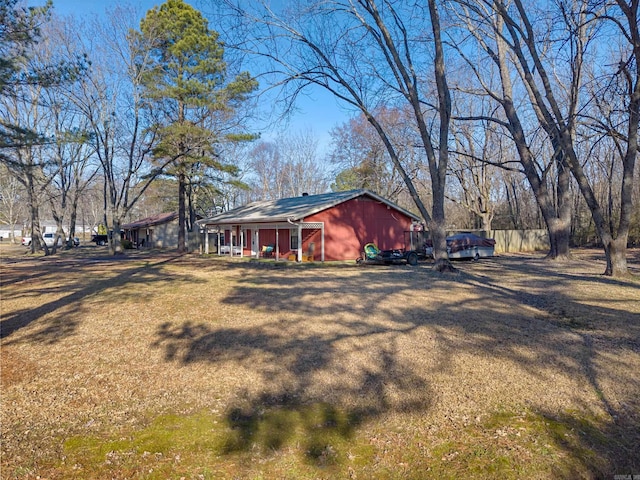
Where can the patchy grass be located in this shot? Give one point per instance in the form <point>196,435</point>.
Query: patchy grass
<point>278,441</point>
<point>154,365</point>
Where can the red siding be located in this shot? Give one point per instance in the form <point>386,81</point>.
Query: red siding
<point>268,237</point>
<point>351,225</point>
<point>347,228</point>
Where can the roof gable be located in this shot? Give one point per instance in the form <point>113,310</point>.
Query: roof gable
<point>293,208</point>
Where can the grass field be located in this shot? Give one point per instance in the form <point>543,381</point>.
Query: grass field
<point>155,365</point>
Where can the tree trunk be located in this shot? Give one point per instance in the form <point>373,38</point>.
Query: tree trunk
<point>560,226</point>
<point>181,212</point>
<point>615,253</point>
<point>115,239</point>
<point>439,239</point>
<point>72,222</point>
<point>487,219</point>
<point>34,211</point>
<point>559,233</point>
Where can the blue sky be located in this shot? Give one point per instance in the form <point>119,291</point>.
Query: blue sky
<point>317,111</point>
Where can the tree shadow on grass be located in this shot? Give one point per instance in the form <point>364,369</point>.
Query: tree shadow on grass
<point>60,318</point>
<point>294,405</point>
<point>353,362</point>
<point>602,448</point>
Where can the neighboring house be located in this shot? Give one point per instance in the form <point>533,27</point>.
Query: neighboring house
<point>157,231</point>
<point>329,226</point>
<point>6,232</point>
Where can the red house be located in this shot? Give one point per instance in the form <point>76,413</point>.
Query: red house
<point>329,226</point>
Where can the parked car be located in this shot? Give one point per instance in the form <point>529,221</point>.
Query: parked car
<point>76,241</point>
<point>50,238</point>
<point>467,245</point>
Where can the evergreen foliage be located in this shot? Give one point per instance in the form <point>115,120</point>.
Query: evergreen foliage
<point>187,90</point>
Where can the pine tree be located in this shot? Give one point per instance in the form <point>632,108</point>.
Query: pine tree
<point>187,91</point>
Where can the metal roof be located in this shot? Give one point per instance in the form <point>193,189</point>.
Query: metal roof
<point>293,208</point>
<point>152,220</point>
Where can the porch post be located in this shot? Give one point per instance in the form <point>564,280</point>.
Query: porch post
<point>322,241</point>
<point>206,239</point>
<point>300,241</point>
<point>257,234</point>
<point>277,244</point>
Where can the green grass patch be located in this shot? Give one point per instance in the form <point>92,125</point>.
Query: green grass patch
<point>512,445</point>
<point>288,442</point>
<point>323,441</point>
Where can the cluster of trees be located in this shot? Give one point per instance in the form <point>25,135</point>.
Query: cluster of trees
<point>547,90</point>
<point>113,106</point>
<point>481,195</point>
<point>473,112</point>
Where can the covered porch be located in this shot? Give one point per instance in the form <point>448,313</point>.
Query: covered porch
<point>291,241</point>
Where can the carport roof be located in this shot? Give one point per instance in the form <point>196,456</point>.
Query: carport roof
<point>293,208</point>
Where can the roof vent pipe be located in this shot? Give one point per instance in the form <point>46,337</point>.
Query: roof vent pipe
<point>305,194</point>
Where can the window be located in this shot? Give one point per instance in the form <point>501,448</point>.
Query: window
<point>294,238</point>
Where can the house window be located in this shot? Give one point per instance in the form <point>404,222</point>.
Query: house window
<point>294,238</point>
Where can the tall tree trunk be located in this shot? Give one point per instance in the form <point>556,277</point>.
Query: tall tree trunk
<point>552,120</point>
<point>72,221</point>
<point>115,239</point>
<point>34,211</point>
<point>181,212</point>
<point>36,233</point>
<point>487,219</point>
<point>615,252</point>
<point>557,218</point>
<point>560,226</point>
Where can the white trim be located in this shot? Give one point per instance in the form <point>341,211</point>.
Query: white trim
<point>256,227</point>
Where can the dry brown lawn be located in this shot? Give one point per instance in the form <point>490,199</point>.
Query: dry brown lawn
<point>155,365</point>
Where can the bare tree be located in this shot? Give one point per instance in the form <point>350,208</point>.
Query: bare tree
<point>109,97</point>
<point>474,163</point>
<point>26,160</point>
<point>368,54</point>
<point>555,100</point>
<point>362,158</point>
<point>286,167</point>
<point>31,70</point>
<point>304,170</point>
<point>12,198</point>
<point>267,169</point>
<point>548,179</point>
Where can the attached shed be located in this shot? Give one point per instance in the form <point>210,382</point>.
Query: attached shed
<point>157,231</point>
<point>329,226</point>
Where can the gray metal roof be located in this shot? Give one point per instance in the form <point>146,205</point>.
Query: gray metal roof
<point>294,208</point>
<point>150,221</point>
